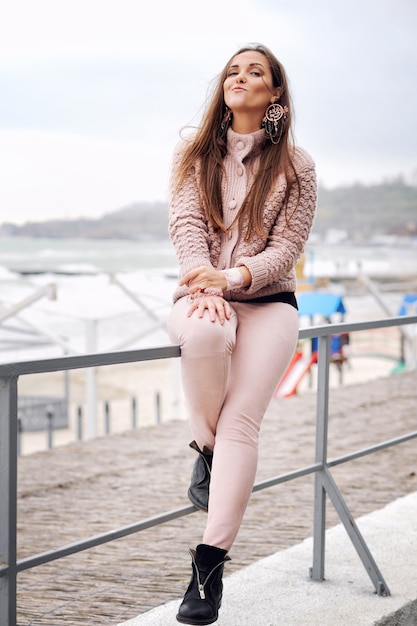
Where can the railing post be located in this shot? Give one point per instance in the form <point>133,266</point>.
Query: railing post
<point>158,407</point>
<point>79,423</point>
<point>19,436</point>
<point>322,414</point>
<point>50,426</point>
<point>107,417</point>
<point>134,413</point>
<point>91,381</point>
<point>325,485</point>
<point>8,499</point>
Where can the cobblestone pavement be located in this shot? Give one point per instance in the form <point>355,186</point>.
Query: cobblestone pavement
<point>82,489</point>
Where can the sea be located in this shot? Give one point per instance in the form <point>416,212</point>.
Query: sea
<point>72,296</point>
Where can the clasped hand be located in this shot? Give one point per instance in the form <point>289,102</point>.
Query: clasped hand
<point>207,278</point>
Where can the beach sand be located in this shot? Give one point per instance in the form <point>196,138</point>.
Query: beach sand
<point>154,386</point>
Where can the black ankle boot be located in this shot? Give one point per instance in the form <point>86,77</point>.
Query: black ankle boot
<point>198,492</point>
<point>203,597</point>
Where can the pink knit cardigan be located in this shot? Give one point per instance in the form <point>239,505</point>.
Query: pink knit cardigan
<point>271,260</point>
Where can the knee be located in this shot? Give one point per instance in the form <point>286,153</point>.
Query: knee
<point>203,337</point>
<point>198,335</point>
<point>238,427</point>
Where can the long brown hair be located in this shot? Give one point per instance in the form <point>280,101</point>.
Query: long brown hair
<point>208,147</point>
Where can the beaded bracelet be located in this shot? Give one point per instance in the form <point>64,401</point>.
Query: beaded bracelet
<point>234,278</point>
<point>208,291</point>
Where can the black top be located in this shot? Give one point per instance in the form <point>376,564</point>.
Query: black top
<point>284,296</point>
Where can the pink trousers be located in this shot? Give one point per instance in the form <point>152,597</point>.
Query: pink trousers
<point>229,374</point>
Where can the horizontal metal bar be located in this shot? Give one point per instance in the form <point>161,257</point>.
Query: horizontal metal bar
<point>42,366</point>
<point>351,327</point>
<point>13,370</point>
<point>97,540</point>
<point>303,471</point>
<point>376,448</point>
<point>63,363</point>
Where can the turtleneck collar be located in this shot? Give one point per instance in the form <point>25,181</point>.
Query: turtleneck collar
<point>245,144</point>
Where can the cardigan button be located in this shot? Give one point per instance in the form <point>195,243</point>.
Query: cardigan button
<point>240,145</point>
<point>240,171</point>
<point>232,204</point>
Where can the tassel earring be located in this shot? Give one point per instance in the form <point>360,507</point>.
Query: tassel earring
<point>226,123</point>
<point>274,120</point>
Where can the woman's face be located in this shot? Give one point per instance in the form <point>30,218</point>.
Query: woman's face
<point>248,86</point>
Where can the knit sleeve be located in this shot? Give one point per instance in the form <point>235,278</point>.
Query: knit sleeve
<point>289,232</point>
<point>187,225</point>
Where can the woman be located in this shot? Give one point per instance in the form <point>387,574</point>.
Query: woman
<point>242,205</point>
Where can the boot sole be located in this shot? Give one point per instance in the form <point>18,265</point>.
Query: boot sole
<point>196,622</point>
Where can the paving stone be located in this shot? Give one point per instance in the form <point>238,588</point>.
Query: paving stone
<point>85,488</point>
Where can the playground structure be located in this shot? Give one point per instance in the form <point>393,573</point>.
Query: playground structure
<point>312,304</point>
<point>324,306</point>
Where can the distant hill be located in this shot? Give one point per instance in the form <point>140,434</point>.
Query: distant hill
<point>137,221</point>
<point>363,211</point>
<point>367,210</point>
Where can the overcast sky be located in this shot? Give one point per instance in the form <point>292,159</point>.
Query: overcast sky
<point>93,93</point>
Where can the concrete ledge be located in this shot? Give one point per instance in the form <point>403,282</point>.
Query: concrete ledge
<point>277,590</point>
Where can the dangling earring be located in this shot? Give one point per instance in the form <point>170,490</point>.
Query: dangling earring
<point>226,122</point>
<point>274,120</point>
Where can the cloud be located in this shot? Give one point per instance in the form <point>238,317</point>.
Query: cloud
<point>78,176</point>
<point>98,90</point>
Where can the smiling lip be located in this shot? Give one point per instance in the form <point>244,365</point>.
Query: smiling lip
<point>238,89</point>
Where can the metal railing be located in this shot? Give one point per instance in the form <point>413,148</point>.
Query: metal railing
<point>324,482</point>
